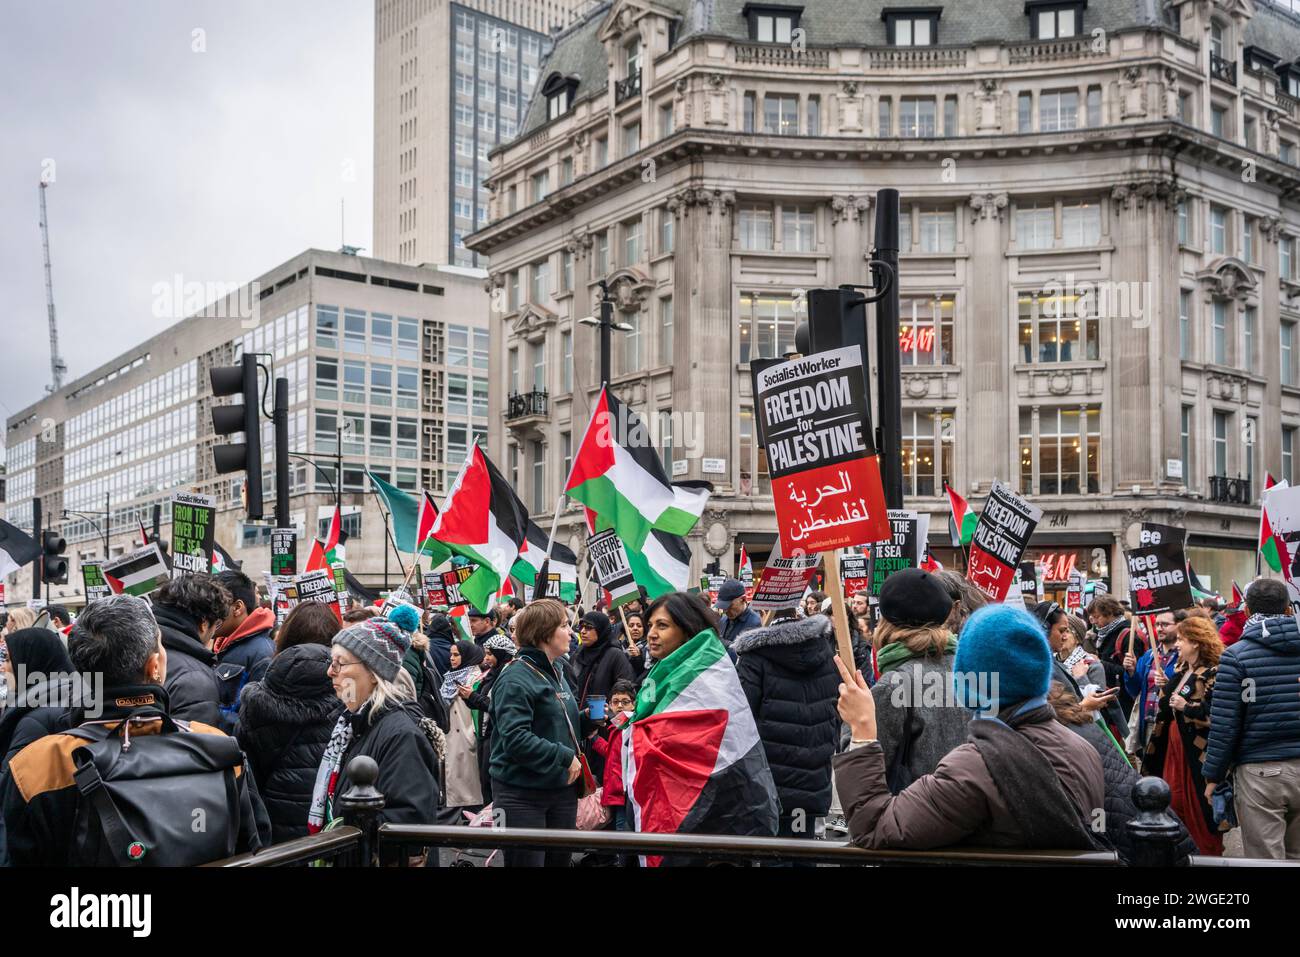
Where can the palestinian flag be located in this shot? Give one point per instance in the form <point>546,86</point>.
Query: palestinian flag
<point>961,526</point>
<point>483,521</point>
<point>930,563</point>
<point>532,558</point>
<point>618,475</point>
<point>138,573</point>
<point>144,536</point>
<point>324,555</point>
<point>1199,591</point>
<point>222,560</point>
<point>1238,596</point>
<point>746,573</point>
<point>1272,548</point>
<point>17,548</point>
<point>662,564</point>
<point>692,758</point>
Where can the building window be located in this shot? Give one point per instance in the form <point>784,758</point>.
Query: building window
<point>938,230</point>
<point>904,228</point>
<point>566,171</point>
<point>1025,112</point>
<point>665,120</point>
<point>1287,334</point>
<point>665,231</point>
<point>910,30</point>
<point>1185,443</point>
<point>1218,120</point>
<point>327,380</point>
<point>1248,131</point>
<point>666,331</point>
<point>354,381</point>
<point>327,327</point>
<point>557,104</point>
<point>950,116</point>
<point>539,477</point>
<point>602,152</point>
<point>1081,224</point>
<point>1248,449</point>
<point>1182,222</point>
<point>1221,443</point>
<point>600,257</point>
<point>631,343</point>
<point>541,185</point>
<point>925,467</point>
<point>512,458</point>
<point>1060,323</point>
<point>755,224</point>
<point>1247,239</point>
<point>514,300</point>
<point>813,122</point>
<point>798,229</point>
<point>631,138</point>
<point>770,25</point>
<point>1288,455</point>
<point>566,361</point>
<point>631,242</point>
<point>538,351</point>
<point>926,330</point>
<point>1055,22</point>
<point>1094,106</point>
<point>748,113</point>
<point>767,324</point>
<point>1184,324</point>
<point>1058,111</point>
<point>1218,230</point>
<point>566,271</point>
<point>666,441</point>
<point>408,387</point>
<point>354,330</point>
<point>566,453</point>
<point>916,116</point>
<point>1248,316</point>
<point>1285,248</point>
<point>1219,332</point>
<point>512,366</point>
<point>885,117</point>
<point>1068,450</point>
<point>753,460</point>
<point>539,292</point>
<point>457,395</point>
<point>1035,224</point>
<point>1216,38</point>
<point>781,114</point>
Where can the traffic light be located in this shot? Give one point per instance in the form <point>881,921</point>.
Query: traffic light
<point>54,565</point>
<point>243,456</point>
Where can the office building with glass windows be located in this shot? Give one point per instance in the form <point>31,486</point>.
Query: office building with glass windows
<point>452,81</point>
<point>387,368</point>
<point>1099,282</point>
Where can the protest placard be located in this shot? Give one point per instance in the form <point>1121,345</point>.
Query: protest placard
<point>999,540</point>
<point>137,573</point>
<point>609,560</point>
<point>855,573</point>
<point>903,549</point>
<point>451,582</point>
<point>783,581</point>
<point>284,551</point>
<point>1158,578</point>
<point>193,531</point>
<point>435,592</point>
<point>93,581</point>
<point>826,483</point>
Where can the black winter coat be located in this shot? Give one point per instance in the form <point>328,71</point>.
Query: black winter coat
<point>192,685</point>
<point>594,669</point>
<point>408,767</point>
<point>1266,728</point>
<point>1118,802</point>
<point>792,685</point>
<point>285,722</point>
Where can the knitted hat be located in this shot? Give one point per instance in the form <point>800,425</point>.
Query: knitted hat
<point>405,617</point>
<point>914,598</point>
<point>500,643</point>
<point>1002,658</point>
<point>378,644</point>
<point>599,621</point>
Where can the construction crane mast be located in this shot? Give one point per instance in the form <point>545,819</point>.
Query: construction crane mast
<point>57,366</point>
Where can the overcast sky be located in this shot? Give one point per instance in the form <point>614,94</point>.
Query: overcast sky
<point>215,165</point>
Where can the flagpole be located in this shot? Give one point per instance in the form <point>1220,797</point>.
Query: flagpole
<point>543,573</point>
<point>387,516</point>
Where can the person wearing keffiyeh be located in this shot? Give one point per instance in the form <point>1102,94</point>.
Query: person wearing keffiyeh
<point>464,788</point>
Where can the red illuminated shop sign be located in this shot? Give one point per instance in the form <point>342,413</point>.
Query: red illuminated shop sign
<point>916,340</point>
<point>1058,565</point>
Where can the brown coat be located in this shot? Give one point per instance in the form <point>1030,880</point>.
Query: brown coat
<point>959,803</point>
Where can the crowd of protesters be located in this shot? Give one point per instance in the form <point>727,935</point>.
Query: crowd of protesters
<point>956,723</point>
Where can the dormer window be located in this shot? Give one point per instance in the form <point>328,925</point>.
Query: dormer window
<point>771,24</point>
<point>1054,20</point>
<point>1216,38</point>
<point>559,91</point>
<point>911,26</point>
<point>632,58</point>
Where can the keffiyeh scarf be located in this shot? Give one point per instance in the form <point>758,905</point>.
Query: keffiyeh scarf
<point>454,679</point>
<point>327,775</point>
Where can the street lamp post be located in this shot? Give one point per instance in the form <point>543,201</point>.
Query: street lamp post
<point>607,325</point>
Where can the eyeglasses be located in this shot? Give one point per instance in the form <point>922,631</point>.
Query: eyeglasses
<point>337,666</point>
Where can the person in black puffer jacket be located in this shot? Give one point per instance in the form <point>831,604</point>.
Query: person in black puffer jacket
<point>600,661</point>
<point>790,680</point>
<point>1118,806</point>
<point>189,610</point>
<point>284,724</point>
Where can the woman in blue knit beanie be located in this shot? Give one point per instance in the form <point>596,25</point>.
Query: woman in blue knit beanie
<point>1003,658</point>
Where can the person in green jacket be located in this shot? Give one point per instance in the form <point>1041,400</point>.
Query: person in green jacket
<point>535,720</point>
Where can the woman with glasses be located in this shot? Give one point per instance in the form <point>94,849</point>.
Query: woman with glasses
<point>380,721</point>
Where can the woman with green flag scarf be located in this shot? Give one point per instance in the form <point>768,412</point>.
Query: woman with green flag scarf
<point>913,651</point>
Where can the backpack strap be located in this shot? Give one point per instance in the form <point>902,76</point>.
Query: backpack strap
<point>121,841</point>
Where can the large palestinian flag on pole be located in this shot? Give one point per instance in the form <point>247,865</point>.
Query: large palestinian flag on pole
<point>1270,546</point>
<point>532,555</point>
<point>693,761</point>
<point>618,475</point>
<point>324,555</point>
<point>17,548</point>
<point>482,520</point>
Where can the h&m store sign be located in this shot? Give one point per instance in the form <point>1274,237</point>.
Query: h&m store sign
<point>1056,566</point>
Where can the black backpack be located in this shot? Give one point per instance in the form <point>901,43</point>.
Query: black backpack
<point>430,700</point>
<point>169,799</point>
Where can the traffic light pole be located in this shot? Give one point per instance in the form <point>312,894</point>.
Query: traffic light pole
<point>280,416</point>
<point>39,561</point>
<point>888,369</point>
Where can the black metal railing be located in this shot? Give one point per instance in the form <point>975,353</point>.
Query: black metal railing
<point>1230,491</point>
<point>1156,835</point>
<point>627,87</point>
<point>521,404</point>
<point>1221,69</point>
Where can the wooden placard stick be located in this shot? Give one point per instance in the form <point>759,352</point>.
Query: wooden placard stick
<point>834,587</point>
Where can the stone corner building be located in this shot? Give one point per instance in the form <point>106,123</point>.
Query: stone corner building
<point>1098,274</point>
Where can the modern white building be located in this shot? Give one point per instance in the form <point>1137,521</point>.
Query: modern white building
<point>1099,275</point>
<point>390,359</point>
